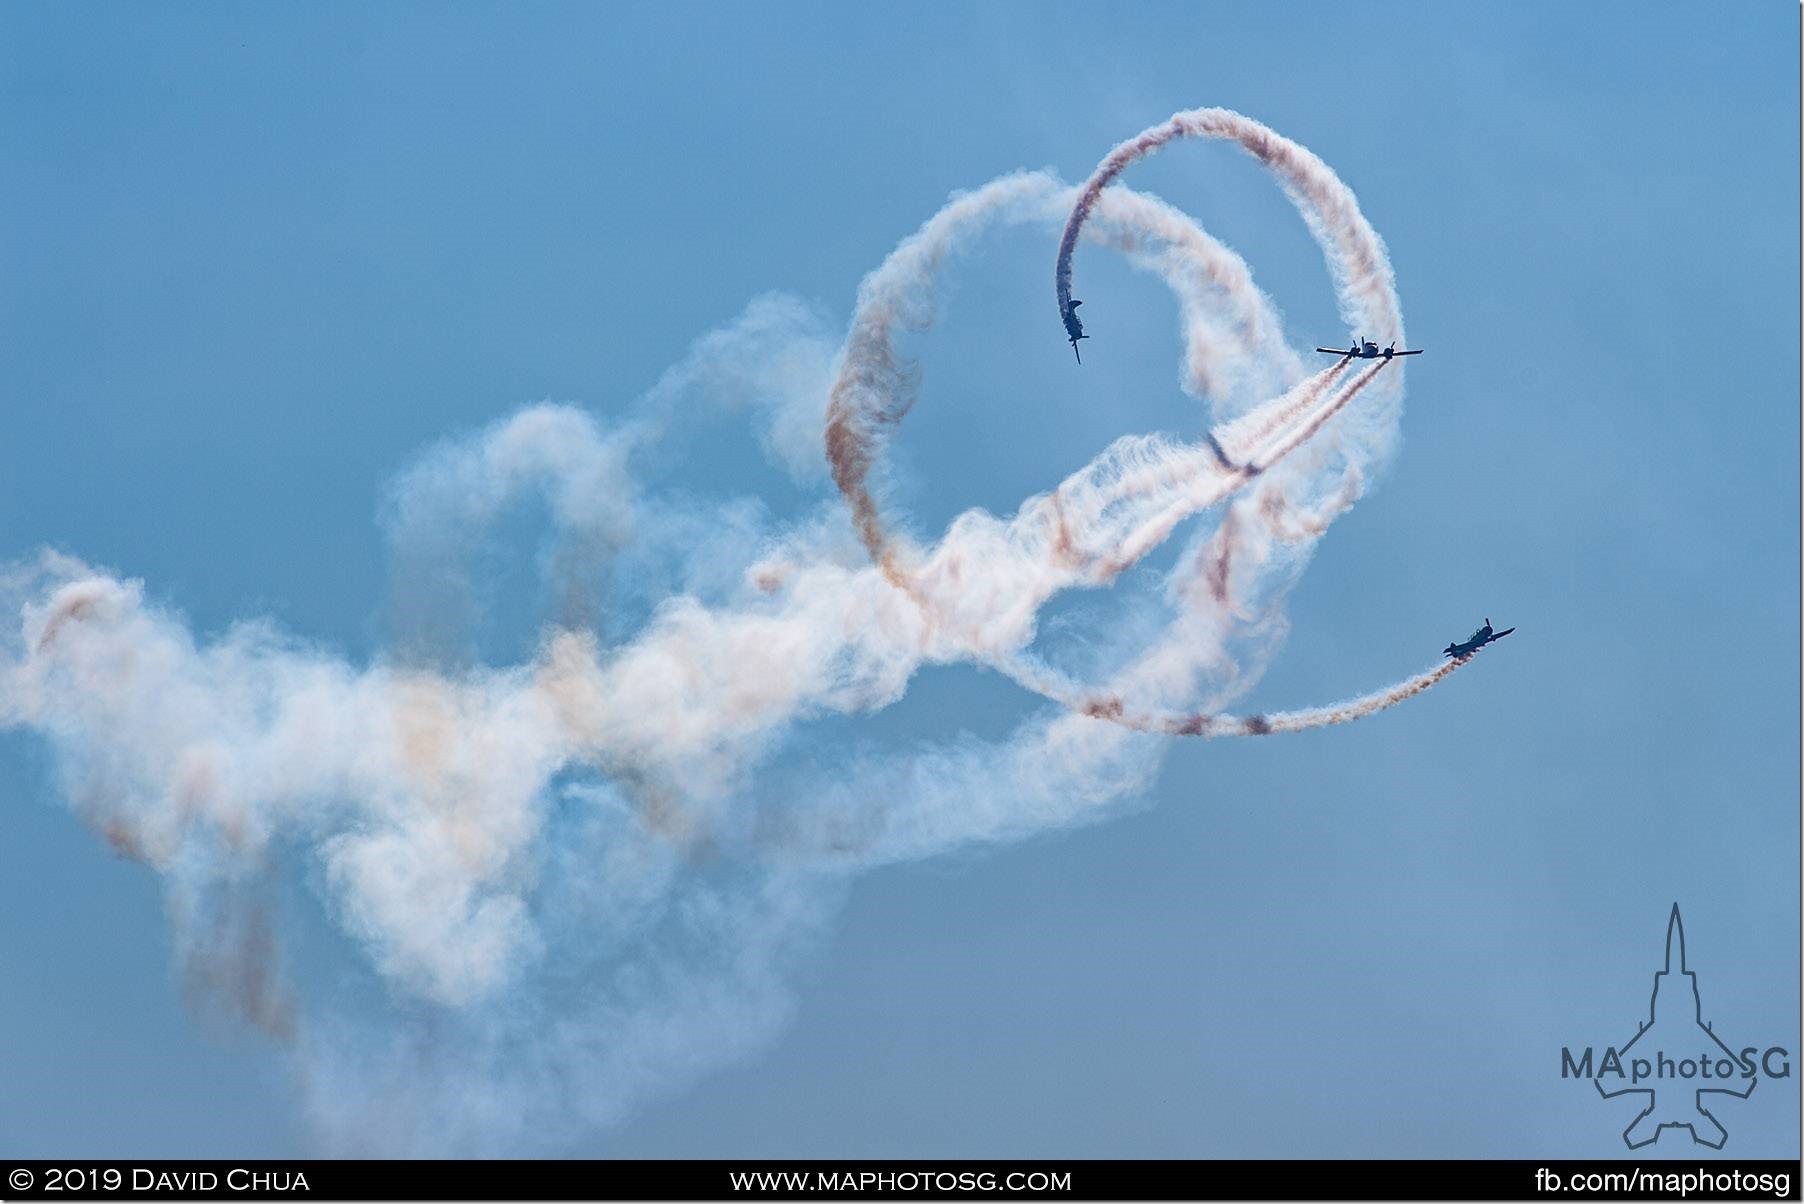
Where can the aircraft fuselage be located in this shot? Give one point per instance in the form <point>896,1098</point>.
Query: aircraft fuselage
<point>1484,635</point>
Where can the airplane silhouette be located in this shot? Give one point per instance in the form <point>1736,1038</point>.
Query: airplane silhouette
<point>1676,1016</point>
<point>1484,635</point>
<point>1366,349</point>
<point>1074,329</point>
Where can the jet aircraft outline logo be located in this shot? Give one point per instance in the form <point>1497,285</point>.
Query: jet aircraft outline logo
<point>1679,1065</point>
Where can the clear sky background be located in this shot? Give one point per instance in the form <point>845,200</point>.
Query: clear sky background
<point>257,257</point>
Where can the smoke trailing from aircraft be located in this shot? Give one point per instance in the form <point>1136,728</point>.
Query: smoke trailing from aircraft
<point>1364,282</point>
<point>1131,498</point>
<point>581,880</point>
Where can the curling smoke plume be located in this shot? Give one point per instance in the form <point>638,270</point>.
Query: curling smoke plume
<point>1107,518</point>
<point>581,880</point>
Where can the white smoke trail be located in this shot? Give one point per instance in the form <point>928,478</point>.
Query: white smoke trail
<point>1213,724</point>
<point>1109,517</point>
<point>1363,278</point>
<point>584,876</point>
<point>874,389</point>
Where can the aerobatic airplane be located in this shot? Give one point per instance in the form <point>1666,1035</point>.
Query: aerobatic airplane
<point>1074,329</point>
<point>1365,349</point>
<point>1484,635</point>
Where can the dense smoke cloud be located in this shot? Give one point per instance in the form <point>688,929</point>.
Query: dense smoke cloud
<point>583,878</point>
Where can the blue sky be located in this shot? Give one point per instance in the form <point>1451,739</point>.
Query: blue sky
<point>259,258</point>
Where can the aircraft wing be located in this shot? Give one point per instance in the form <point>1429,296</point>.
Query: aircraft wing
<point>1503,633</point>
<point>1417,351</point>
<point>1334,351</point>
